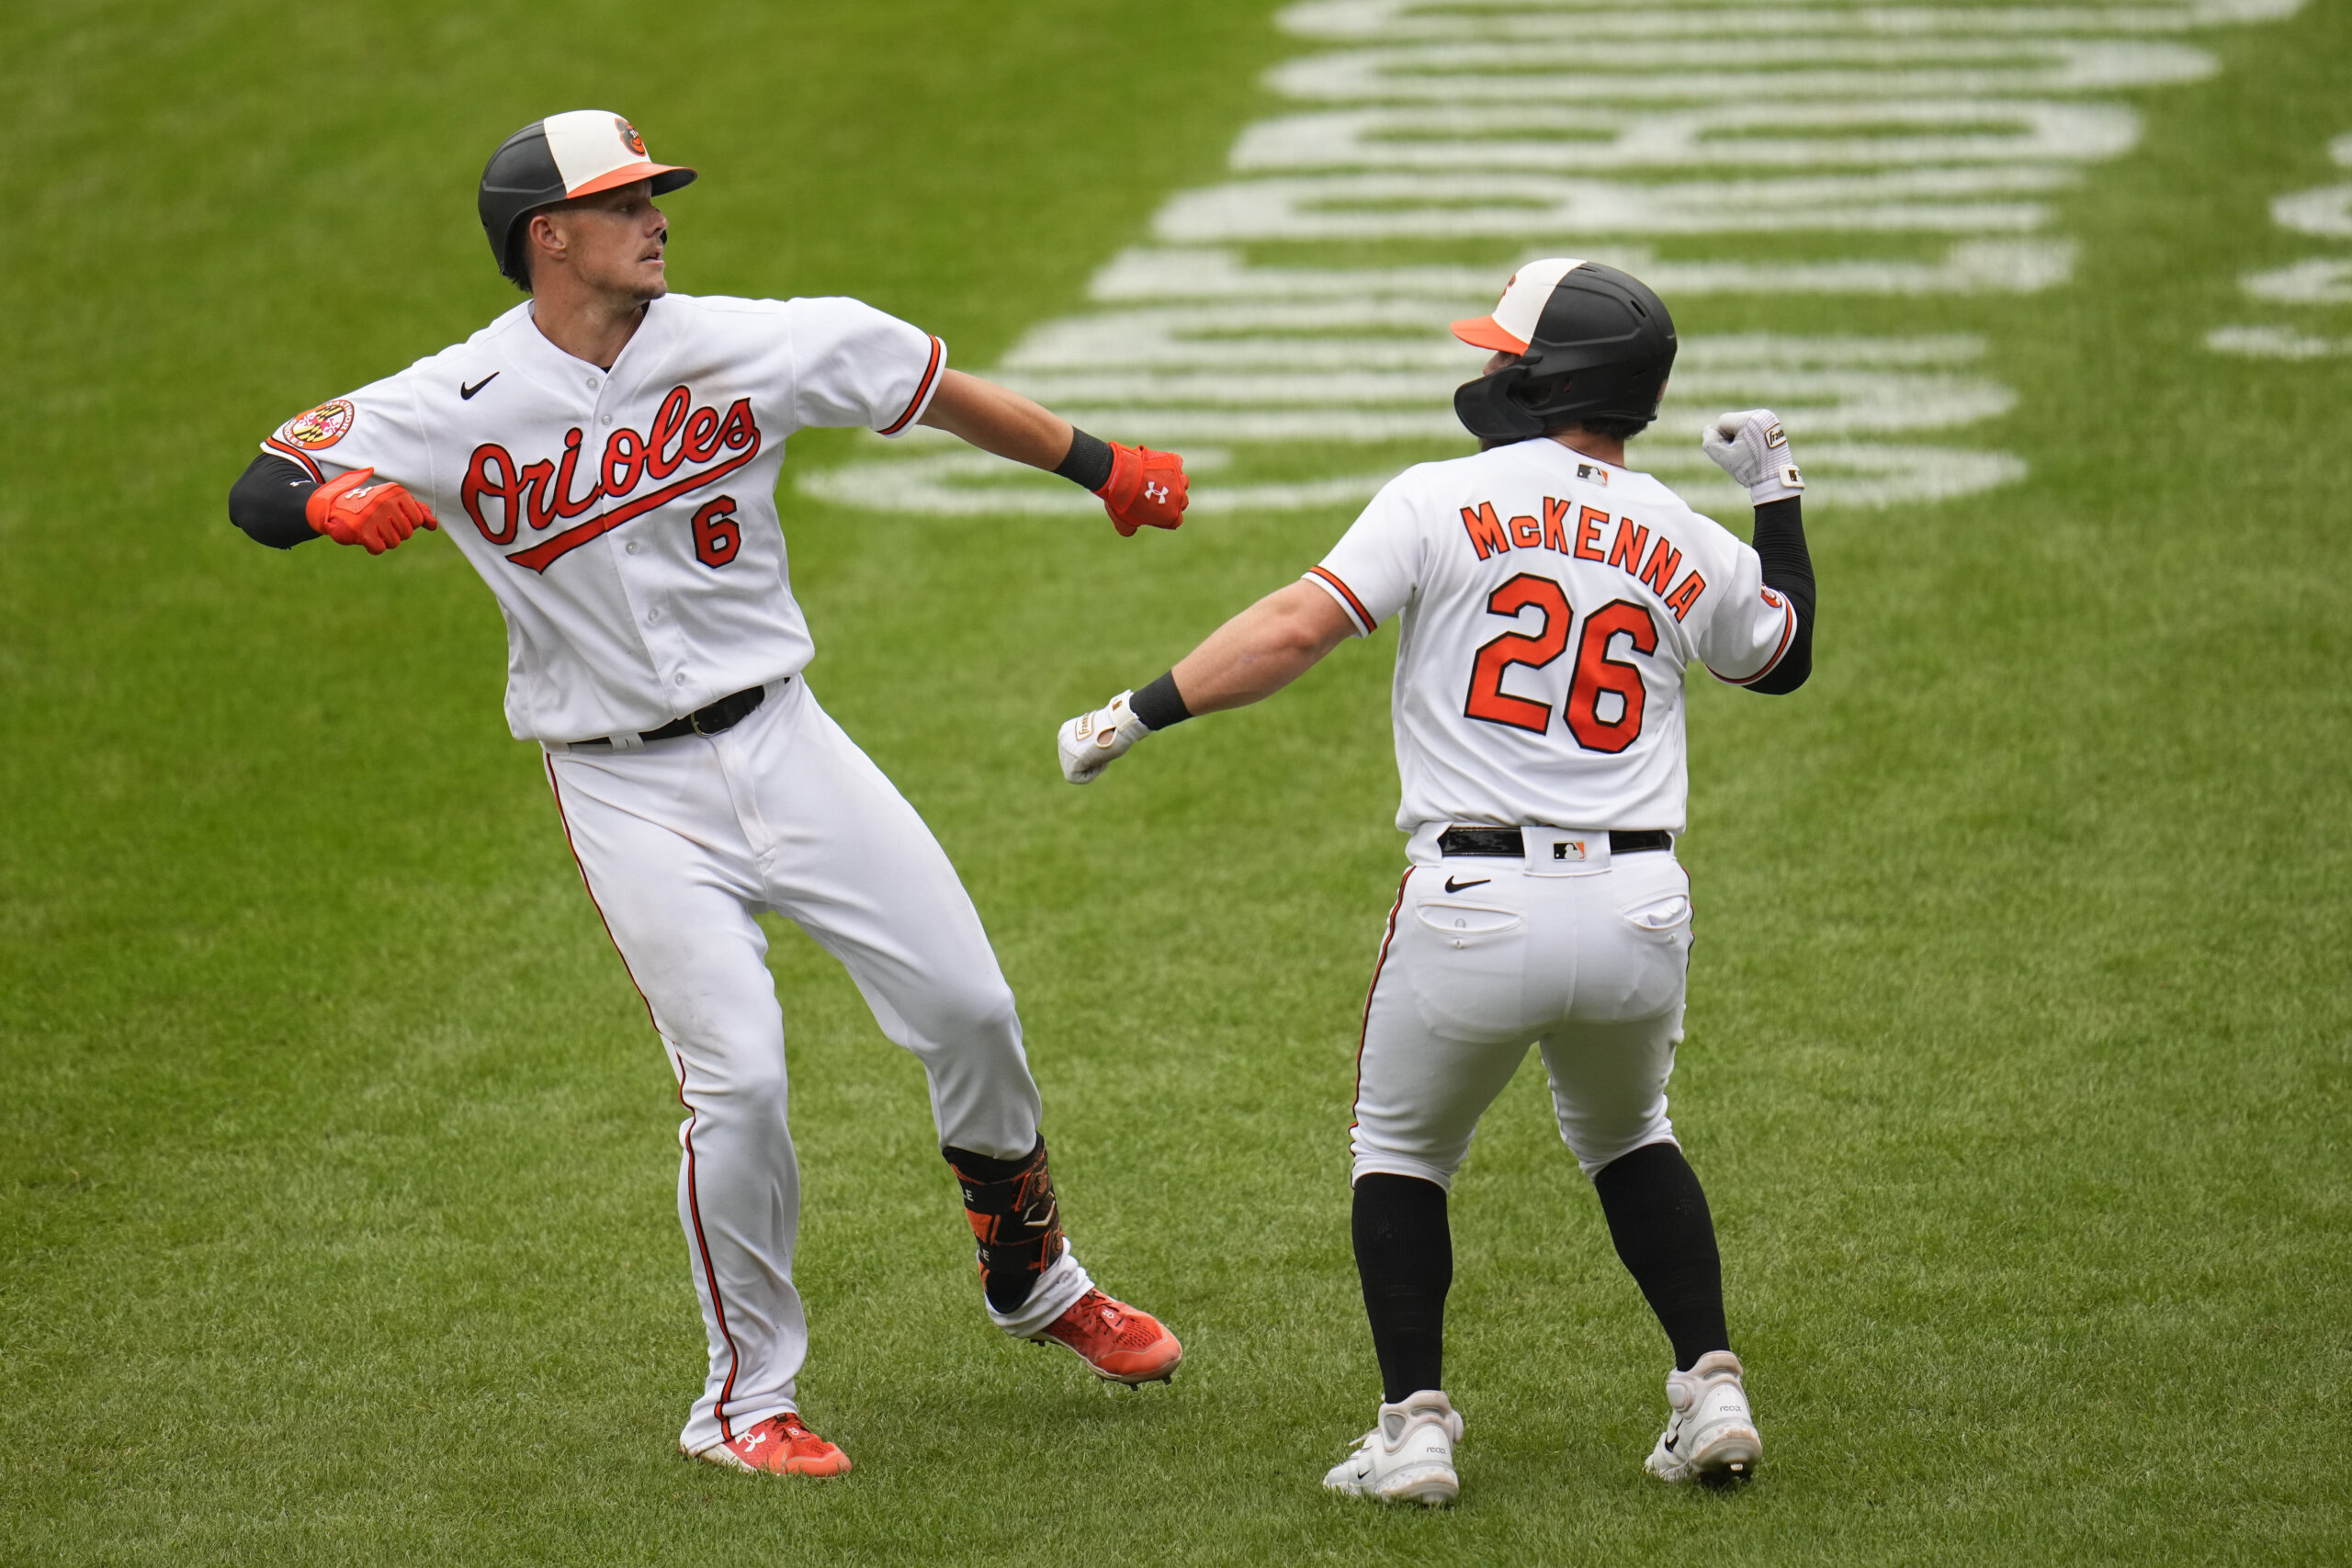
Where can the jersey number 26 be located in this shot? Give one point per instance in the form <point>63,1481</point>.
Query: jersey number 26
<point>1596,672</point>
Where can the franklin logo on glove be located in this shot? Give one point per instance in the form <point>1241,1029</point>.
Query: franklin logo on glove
<point>1752,448</point>
<point>1092,741</point>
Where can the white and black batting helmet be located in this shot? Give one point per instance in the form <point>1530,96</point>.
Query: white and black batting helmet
<point>1592,342</point>
<point>576,153</point>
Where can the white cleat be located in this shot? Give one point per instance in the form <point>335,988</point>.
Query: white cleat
<point>1408,1458</point>
<point>1711,1434</point>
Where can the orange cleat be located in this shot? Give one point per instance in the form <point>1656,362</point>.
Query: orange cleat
<point>780,1446</point>
<point>1121,1344</point>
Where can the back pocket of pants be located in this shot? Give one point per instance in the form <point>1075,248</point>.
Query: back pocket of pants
<point>1468,969</point>
<point>1459,925</point>
<point>1661,916</point>
<point>1641,974</point>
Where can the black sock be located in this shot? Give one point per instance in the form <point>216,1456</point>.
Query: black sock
<point>1657,1216</point>
<point>1405,1257</point>
<point>987,1168</point>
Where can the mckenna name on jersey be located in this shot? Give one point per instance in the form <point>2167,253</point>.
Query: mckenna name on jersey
<point>540,494</point>
<point>1489,534</point>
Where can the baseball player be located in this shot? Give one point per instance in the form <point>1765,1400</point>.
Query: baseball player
<point>1551,602</point>
<point>605,454</point>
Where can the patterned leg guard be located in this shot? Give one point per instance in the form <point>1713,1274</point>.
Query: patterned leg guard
<point>1015,1218</point>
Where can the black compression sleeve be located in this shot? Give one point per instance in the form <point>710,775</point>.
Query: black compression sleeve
<point>1087,464</point>
<point>1788,569</point>
<point>1405,1259</point>
<point>1161,705</point>
<point>266,501</point>
<point>1657,1216</point>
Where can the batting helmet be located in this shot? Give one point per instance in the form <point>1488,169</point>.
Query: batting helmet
<point>555,159</point>
<point>1593,342</point>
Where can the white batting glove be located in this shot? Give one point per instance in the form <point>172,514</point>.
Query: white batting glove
<point>1092,741</point>
<point>1751,447</point>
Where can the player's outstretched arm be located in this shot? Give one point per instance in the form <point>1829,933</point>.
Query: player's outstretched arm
<point>1751,446</point>
<point>1252,657</point>
<point>997,419</point>
<point>1138,486</point>
<point>281,506</point>
<point>1263,649</point>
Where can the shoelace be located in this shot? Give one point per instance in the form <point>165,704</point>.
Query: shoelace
<point>1127,1327</point>
<point>1105,1310</point>
<point>789,1431</point>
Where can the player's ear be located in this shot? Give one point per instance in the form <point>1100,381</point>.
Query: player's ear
<point>545,235</point>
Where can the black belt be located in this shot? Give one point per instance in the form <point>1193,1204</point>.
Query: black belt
<point>1506,842</point>
<point>718,719</point>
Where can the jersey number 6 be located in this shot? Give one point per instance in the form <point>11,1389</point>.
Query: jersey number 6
<point>716,533</point>
<point>1595,672</point>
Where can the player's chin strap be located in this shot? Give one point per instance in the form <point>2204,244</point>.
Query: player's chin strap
<point>1015,1218</point>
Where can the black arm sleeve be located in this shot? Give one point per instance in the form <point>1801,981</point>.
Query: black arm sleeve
<point>1788,570</point>
<point>266,501</point>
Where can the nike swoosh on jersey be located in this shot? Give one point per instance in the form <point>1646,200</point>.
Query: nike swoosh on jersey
<point>466,393</point>
<point>1453,886</point>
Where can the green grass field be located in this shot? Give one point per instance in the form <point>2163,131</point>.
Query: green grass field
<point>336,1158</point>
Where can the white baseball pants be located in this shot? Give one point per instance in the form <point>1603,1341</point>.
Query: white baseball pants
<point>1582,956</point>
<point>681,844</point>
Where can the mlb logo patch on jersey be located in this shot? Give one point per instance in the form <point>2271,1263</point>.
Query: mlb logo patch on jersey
<point>1592,473</point>
<point>322,426</point>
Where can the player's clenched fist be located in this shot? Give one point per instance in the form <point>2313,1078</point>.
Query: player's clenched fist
<point>1751,447</point>
<point>1092,741</point>
<point>1144,487</point>
<point>350,511</point>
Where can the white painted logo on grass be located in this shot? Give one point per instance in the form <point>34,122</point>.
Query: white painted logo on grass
<point>2325,213</point>
<point>1287,327</point>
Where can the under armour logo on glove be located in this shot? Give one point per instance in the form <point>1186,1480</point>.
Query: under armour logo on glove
<point>350,511</point>
<point>1144,487</point>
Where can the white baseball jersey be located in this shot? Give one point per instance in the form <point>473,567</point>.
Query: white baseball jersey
<point>626,520</point>
<point>1551,605</point>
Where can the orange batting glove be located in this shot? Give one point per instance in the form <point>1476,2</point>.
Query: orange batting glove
<point>1144,487</point>
<point>350,511</point>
